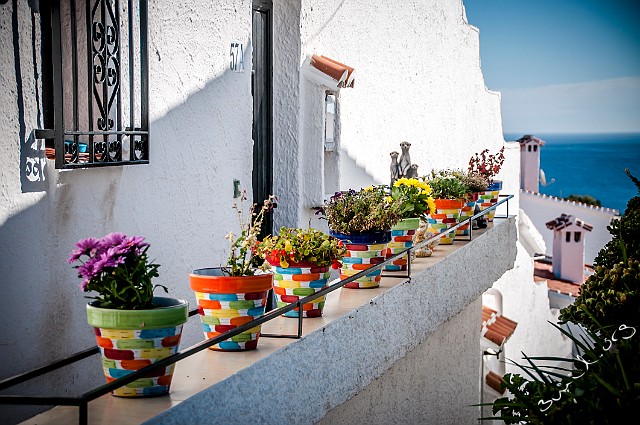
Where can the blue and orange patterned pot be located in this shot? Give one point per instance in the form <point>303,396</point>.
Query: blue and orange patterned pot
<point>226,302</point>
<point>466,212</point>
<point>364,250</point>
<point>489,198</point>
<point>444,217</point>
<point>132,339</point>
<point>296,281</point>
<point>402,235</point>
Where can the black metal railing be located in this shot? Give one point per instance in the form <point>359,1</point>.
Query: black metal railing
<point>83,400</point>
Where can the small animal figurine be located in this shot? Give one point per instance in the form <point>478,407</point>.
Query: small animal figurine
<point>395,172</point>
<point>421,235</point>
<point>413,171</point>
<point>404,163</point>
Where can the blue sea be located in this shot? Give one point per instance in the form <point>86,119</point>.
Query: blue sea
<point>590,164</point>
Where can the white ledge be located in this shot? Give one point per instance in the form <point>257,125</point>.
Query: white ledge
<point>360,336</point>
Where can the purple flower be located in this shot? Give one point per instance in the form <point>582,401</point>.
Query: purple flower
<point>84,247</point>
<point>113,239</point>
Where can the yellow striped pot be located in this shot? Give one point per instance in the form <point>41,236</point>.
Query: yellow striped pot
<point>402,235</point>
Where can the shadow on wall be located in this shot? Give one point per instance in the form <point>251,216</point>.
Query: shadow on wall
<point>199,145</point>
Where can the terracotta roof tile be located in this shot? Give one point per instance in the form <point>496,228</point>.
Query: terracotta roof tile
<point>340,72</point>
<point>496,328</point>
<point>493,380</point>
<point>567,220</point>
<point>527,138</point>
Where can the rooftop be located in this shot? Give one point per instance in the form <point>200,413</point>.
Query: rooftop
<point>543,271</point>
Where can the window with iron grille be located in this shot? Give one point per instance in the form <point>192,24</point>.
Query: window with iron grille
<point>95,82</point>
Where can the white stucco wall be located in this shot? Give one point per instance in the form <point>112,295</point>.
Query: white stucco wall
<point>418,79</point>
<point>542,209</point>
<point>200,124</point>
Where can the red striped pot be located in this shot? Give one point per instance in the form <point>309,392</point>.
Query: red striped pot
<point>296,281</point>
<point>226,302</point>
<point>444,217</point>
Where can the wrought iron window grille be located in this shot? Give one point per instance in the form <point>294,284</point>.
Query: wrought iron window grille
<point>96,91</point>
<point>83,400</point>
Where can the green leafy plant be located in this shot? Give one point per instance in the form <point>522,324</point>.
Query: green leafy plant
<point>242,260</point>
<point>599,386</point>
<point>602,385</point>
<point>118,269</point>
<point>301,245</point>
<point>369,209</point>
<point>413,196</point>
<point>584,199</point>
<point>447,185</point>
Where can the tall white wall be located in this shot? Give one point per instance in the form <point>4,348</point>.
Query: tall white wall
<point>543,208</point>
<point>418,79</point>
<point>201,117</point>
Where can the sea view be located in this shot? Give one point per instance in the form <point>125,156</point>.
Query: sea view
<point>590,164</point>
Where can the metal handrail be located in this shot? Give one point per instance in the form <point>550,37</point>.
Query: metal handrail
<point>83,400</point>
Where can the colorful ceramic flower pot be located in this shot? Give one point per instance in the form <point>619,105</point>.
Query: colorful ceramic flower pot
<point>444,217</point>
<point>132,339</point>
<point>296,281</point>
<point>364,250</point>
<point>466,212</point>
<point>489,198</point>
<point>402,235</point>
<point>226,302</point>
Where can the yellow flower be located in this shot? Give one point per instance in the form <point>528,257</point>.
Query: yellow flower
<point>368,189</point>
<point>432,205</point>
<point>287,246</point>
<point>389,199</point>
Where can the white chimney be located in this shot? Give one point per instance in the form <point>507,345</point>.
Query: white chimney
<point>530,162</point>
<point>568,247</point>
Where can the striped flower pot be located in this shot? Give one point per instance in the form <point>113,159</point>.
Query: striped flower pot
<point>445,216</point>
<point>466,212</point>
<point>132,339</point>
<point>402,235</point>
<point>226,302</point>
<point>296,281</point>
<point>364,250</point>
<point>489,198</point>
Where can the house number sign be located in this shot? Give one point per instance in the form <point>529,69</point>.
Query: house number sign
<point>236,56</point>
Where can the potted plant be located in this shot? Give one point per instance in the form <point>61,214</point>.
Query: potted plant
<point>488,166</point>
<point>363,220</point>
<point>133,328</point>
<point>415,202</point>
<point>300,261</point>
<point>476,184</point>
<point>236,294</point>
<point>448,191</point>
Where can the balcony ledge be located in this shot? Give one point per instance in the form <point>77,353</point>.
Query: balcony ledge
<point>360,336</point>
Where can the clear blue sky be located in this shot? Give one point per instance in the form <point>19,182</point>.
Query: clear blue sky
<point>562,65</point>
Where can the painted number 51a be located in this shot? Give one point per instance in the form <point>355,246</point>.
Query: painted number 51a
<point>236,54</point>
